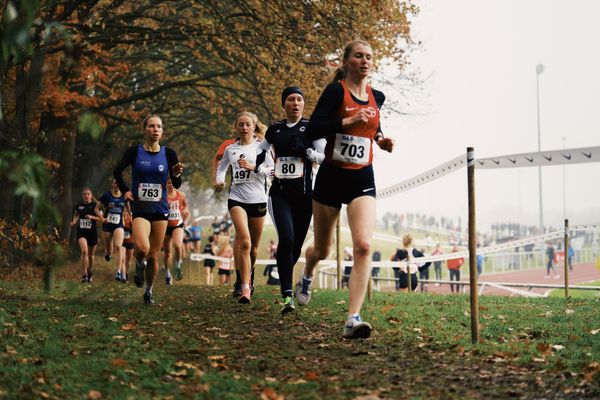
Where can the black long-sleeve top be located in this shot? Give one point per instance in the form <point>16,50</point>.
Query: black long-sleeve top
<point>325,119</point>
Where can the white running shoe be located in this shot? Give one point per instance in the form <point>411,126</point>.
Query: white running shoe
<point>303,291</point>
<point>356,328</point>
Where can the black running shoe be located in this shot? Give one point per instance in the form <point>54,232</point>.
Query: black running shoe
<point>148,298</point>
<point>138,278</point>
<point>84,279</point>
<point>107,257</point>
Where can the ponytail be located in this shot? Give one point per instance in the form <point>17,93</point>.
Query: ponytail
<point>339,74</point>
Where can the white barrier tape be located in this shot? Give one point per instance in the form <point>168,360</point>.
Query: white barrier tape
<point>586,227</point>
<point>543,158</point>
<point>422,260</point>
<point>202,256</point>
<point>428,176</point>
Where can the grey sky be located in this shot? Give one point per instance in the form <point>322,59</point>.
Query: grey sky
<point>480,58</point>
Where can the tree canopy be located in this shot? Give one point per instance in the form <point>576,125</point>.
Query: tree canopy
<point>77,76</point>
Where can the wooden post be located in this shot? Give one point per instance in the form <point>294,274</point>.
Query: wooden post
<point>409,276</point>
<point>370,289</point>
<point>338,245</point>
<point>566,248</point>
<point>472,246</point>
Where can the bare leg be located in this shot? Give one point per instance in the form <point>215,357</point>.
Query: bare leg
<point>157,236</point>
<point>361,218</point>
<point>83,247</point>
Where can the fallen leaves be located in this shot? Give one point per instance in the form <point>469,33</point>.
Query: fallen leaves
<point>128,327</point>
<point>311,376</point>
<point>94,395</point>
<point>270,394</point>
<point>118,362</point>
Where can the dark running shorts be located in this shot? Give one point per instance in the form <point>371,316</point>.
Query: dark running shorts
<point>170,229</point>
<point>335,186</point>
<point>110,227</point>
<point>226,272</point>
<point>128,245</point>
<point>91,237</point>
<point>152,217</point>
<point>254,210</point>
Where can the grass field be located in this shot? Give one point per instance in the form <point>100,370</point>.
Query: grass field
<point>100,341</point>
<point>579,294</point>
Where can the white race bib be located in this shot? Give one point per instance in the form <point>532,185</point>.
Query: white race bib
<point>126,235</point>
<point>240,175</point>
<point>174,215</point>
<point>150,192</point>
<point>289,167</point>
<point>85,223</point>
<point>351,149</point>
<point>113,218</point>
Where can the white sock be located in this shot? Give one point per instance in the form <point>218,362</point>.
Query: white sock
<point>306,278</point>
<point>245,286</point>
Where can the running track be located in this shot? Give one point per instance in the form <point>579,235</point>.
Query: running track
<point>581,273</point>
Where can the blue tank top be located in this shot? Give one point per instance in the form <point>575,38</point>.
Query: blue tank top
<point>149,182</point>
<point>113,208</point>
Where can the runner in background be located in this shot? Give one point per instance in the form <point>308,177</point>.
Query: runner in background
<point>225,266</point>
<point>173,244</point>
<point>85,219</point>
<point>247,202</point>
<point>111,204</point>
<point>195,237</point>
<point>127,244</point>
<point>210,249</point>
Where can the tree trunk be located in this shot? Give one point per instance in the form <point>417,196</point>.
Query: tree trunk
<point>64,180</point>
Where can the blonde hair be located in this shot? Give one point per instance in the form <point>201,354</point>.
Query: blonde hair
<point>259,128</point>
<point>407,240</point>
<point>340,72</point>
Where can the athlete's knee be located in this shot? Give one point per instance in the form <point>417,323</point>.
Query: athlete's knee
<point>244,243</point>
<point>84,253</point>
<point>362,248</point>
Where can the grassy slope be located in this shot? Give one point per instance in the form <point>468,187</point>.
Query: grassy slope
<point>198,342</point>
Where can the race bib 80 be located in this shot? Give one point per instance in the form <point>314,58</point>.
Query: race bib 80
<point>150,192</point>
<point>351,149</point>
<point>289,167</point>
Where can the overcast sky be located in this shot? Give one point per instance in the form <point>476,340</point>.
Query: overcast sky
<point>479,59</point>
